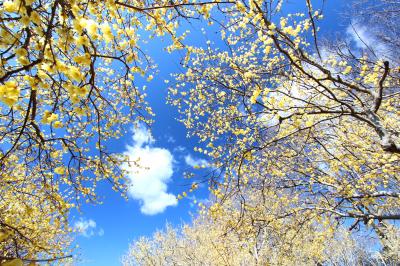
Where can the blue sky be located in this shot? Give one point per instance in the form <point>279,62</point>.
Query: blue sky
<point>110,227</point>
<point>107,229</point>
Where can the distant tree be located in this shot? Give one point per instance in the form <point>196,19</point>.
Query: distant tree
<point>294,240</point>
<point>67,85</point>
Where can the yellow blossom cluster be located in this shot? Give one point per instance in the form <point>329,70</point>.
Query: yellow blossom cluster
<point>9,93</point>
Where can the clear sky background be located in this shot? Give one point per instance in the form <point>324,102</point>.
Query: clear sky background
<point>108,229</point>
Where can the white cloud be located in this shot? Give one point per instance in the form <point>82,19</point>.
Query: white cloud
<point>87,228</point>
<point>142,136</point>
<point>364,39</point>
<point>150,174</point>
<point>193,162</point>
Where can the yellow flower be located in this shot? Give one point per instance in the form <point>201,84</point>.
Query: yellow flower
<point>82,40</point>
<point>83,59</point>
<point>10,6</point>
<point>106,30</point>
<point>9,93</point>
<point>255,95</point>
<point>82,91</point>
<point>14,262</point>
<point>49,117</point>
<point>52,117</point>
<point>74,73</point>
<point>58,124</point>
<point>347,70</point>
<point>21,52</point>
<point>23,60</point>
<point>272,26</point>
<point>79,111</point>
<point>91,27</point>
<point>4,235</point>
<point>25,20</point>
<point>59,170</point>
<point>35,18</point>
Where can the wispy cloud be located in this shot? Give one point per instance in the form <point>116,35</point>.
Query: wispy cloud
<point>87,228</point>
<point>194,202</point>
<point>170,139</point>
<point>363,38</point>
<point>150,174</point>
<point>195,162</point>
<point>179,149</point>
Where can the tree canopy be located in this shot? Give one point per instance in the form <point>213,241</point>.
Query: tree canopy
<point>280,111</point>
<point>303,133</point>
<point>286,115</point>
<point>67,85</point>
